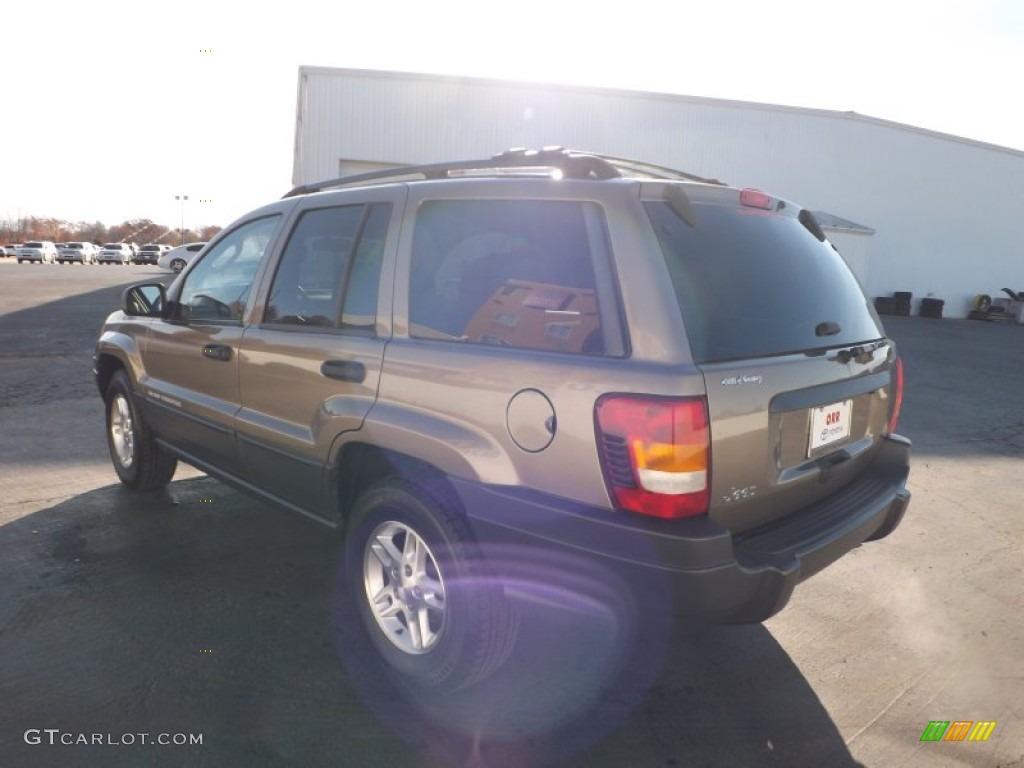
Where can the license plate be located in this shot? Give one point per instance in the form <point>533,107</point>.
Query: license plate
<point>829,424</point>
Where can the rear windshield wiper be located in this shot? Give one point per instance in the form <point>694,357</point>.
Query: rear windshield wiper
<point>862,353</point>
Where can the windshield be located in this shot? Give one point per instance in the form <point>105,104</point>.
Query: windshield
<point>754,283</point>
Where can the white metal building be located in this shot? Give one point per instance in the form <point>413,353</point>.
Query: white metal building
<point>935,214</point>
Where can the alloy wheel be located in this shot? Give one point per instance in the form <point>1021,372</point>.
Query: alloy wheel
<point>122,430</point>
<point>404,587</point>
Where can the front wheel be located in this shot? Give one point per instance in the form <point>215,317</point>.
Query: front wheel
<point>139,461</point>
<point>431,607</point>
<point>177,265</point>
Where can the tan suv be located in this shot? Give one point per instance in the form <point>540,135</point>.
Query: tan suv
<point>546,350</point>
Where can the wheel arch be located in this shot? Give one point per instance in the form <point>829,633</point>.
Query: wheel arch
<point>359,465</point>
<point>432,450</point>
<point>116,351</point>
<point>104,369</point>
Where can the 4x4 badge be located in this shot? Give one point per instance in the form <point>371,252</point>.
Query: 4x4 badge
<point>733,381</point>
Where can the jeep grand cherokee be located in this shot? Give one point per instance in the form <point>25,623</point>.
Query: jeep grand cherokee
<point>550,349</point>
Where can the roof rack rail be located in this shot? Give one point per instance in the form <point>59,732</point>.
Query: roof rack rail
<point>651,170</point>
<point>571,165</point>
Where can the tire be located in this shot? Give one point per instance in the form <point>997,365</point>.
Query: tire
<point>177,265</point>
<point>140,463</point>
<point>440,620</point>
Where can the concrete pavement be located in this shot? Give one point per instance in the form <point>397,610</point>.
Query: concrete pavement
<point>201,611</point>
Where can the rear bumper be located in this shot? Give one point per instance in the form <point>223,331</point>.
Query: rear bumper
<point>697,564</point>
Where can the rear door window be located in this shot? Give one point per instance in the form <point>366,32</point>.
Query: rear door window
<point>754,283</point>
<point>333,253</point>
<point>307,286</point>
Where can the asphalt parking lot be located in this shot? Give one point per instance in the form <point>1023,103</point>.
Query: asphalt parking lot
<point>199,611</point>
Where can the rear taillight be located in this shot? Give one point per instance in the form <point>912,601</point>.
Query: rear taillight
<point>897,396</point>
<point>655,453</point>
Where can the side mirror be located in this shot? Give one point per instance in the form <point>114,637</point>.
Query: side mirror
<point>146,300</point>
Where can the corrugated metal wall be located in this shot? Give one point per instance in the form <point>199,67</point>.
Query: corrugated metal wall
<point>945,210</point>
<point>856,251</point>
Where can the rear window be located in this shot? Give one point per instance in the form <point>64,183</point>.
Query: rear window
<point>32,245</point>
<point>755,283</point>
<point>112,247</point>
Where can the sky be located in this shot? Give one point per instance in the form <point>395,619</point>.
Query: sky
<point>111,109</point>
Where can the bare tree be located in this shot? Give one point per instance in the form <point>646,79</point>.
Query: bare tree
<point>93,232</point>
<point>22,229</point>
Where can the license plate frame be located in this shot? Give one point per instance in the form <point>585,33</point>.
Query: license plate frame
<point>829,426</point>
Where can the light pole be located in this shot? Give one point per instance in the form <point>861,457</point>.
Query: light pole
<point>182,198</point>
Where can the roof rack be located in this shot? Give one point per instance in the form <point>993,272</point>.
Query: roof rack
<point>570,164</point>
<point>653,171</point>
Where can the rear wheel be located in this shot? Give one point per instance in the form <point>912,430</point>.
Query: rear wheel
<point>177,265</point>
<point>139,461</point>
<point>431,607</point>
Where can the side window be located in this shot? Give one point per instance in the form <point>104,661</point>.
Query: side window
<point>515,273</point>
<point>218,287</point>
<point>360,308</point>
<point>307,286</point>
<point>318,268</point>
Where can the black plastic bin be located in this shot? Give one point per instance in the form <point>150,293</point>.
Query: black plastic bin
<point>885,305</point>
<point>932,308</point>
<point>902,300</point>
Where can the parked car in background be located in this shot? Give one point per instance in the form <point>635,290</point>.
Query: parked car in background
<point>10,250</point>
<point>150,253</point>
<point>81,252</point>
<point>115,253</point>
<point>43,251</point>
<point>178,258</point>
<point>461,364</point>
